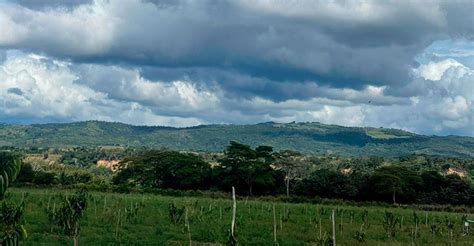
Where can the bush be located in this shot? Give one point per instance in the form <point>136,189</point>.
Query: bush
<point>26,174</point>
<point>44,178</point>
<point>11,230</point>
<point>68,215</point>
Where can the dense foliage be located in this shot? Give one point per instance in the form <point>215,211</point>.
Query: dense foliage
<point>11,228</point>
<point>391,184</point>
<point>169,169</point>
<point>312,138</point>
<point>260,171</point>
<point>9,168</point>
<point>246,168</point>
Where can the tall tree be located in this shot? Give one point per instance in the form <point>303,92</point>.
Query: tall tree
<point>328,183</point>
<point>394,181</point>
<point>165,169</point>
<point>10,166</point>
<point>11,229</point>
<point>293,166</point>
<point>242,164</point>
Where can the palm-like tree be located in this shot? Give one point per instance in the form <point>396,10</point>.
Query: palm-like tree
<point>11,230</point>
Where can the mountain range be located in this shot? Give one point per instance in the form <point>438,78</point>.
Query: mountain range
<point>311,138</point>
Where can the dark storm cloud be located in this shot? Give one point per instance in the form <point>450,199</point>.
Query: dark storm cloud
<point>48,4</point>
<point>16,91</point>
<point>340,43</point>
<point>185,62</point>
<point>241,85</point>
<point>459,14</point>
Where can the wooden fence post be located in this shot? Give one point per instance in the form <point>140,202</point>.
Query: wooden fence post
<point>186,222</point>
<point>333,228</point>
<point>234,210</point>
<point>274,226</point>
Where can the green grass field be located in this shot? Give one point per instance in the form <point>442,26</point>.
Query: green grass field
<point>108,221</point>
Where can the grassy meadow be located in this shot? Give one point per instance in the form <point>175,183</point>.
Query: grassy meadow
<point>137,219</point>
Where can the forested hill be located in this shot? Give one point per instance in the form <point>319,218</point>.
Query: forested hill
<point>313,138</point>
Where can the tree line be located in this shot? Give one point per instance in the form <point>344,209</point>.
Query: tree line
<point>262,171</point>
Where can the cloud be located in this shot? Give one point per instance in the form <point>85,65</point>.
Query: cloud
<point>435,70</point>
<point>338,43</point>
<point>37,89</point>
<point>177,96</point>
<point>461,50</point>
<point>49,4</point>
<point>363,63</point>
<point>443,106</point>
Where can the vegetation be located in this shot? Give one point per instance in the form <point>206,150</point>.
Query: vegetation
<point>293,166</point>
<point>246,168</point>
<point>308,138</point>
<point>261,171</point>
<point>162,220</point>
<point>355,200</point>
<point>11,229</point>
<point>69,213</point>
<point>250,171</point>
<point>168,169</point>
<point>9,169</point>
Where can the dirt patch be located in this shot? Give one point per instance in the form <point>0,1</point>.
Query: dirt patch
<point>452,171</point>
<point>110,164</point>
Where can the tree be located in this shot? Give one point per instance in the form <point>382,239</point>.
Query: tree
<point>457,191</point>
<point>26,174</point>
<point>433,183</point>
<point>245,166</point>
<point>10,166</point>
<point>68,215</point>
<point>328,184</point>
<point>44,178</point>
<point>11,229</point>
<point>165,169</point>
<point>388,182</point>
<point>374,161</point>
<point>293,166</point>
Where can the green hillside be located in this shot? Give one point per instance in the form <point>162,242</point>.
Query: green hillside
<point>313,138</point>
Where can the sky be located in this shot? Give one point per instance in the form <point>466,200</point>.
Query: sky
<point>394,64</point>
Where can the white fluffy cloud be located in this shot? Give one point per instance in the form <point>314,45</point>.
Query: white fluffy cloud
<point>444,106</point>
<point>120,83</point>
<point>435,70</point>
<point>34,88</point>
<point>186,62</point>
<point>30,86</point>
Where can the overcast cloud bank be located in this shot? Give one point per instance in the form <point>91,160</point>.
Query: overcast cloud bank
<point>361,63</point>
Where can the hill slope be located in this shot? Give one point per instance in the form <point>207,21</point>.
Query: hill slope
<point>304,137</point>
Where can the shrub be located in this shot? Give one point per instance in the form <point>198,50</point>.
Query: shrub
<point>11,229</point>
<point>68,215</point>
<point>44,178</point>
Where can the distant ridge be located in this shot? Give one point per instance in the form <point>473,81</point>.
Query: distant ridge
<point>316,138</point>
